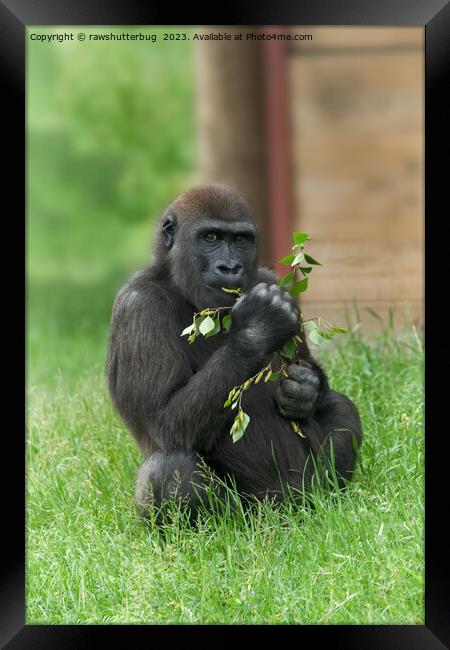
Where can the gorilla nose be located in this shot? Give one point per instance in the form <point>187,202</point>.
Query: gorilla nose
<point>228,270</point>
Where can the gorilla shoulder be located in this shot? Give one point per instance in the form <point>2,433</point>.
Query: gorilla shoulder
<point>146,290</point>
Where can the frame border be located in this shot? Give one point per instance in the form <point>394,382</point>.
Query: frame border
<point>15,15</point>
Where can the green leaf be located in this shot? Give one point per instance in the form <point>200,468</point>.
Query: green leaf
<point>299,287</point>
<point>239,426</point>
<point>188,330</point>
<point>231,393</point>
<point>300,237</point>
<point>268,376</point>
<point>339,330</point>
<point>236,423</point>
<point>237,291</point>
<point>216,329</point>
<point>245,420</point>
<point>237,434</point>
<point>207,325</point>
<point>315,337</point>
<point>311,260</point>
<point>305,269</point>
<point>226,323</point>
<point>309,324</point>
<point>275,375</point>
<point>198,321</point>
<point>286,279</point>
<point>289,349</point>
<point>259,377</point>
<point>233,406</point>
<point>298,259</point>
<point>287,260</point>
<point>227,403</point>
<point>324,334</point>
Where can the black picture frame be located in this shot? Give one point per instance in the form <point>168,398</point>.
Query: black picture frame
<point>15,16</point>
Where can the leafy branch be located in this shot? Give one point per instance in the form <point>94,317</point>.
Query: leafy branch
<point>210,322</point>
<point>234,399</point>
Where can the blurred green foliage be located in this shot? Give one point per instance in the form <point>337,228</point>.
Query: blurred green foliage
<point>110,142</point>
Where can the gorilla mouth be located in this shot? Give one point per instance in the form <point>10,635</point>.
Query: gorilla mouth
<point>223,285</point>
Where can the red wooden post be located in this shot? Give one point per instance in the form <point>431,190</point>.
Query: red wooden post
<point>280,202</point>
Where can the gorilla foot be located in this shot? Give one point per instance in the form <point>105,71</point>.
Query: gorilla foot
<point>176,476</point>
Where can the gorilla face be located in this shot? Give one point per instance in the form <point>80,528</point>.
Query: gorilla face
<point>210,249</point>
<point>226,254</point>
<point>211,255</point>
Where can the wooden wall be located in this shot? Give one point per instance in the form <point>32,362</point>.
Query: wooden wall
<point>356,122</point>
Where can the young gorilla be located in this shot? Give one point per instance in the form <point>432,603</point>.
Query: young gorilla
<point>171,394</point>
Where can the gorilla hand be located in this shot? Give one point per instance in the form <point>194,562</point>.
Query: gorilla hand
<point>298,393</point>
<point>264,319</point>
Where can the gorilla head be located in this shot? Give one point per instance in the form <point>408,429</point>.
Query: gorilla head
<point>206,240</point>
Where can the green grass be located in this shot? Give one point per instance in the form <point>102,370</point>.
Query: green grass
<point>358,558</point>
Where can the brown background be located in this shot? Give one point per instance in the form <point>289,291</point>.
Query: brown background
<point>355,125</point>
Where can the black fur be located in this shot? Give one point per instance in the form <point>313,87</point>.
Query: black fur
<point>170,394</point>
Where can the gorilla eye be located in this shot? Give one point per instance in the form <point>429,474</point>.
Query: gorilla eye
<point>240,239</point>
<point>211,236</point>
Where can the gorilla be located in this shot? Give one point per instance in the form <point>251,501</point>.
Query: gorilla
<point>171,394</point>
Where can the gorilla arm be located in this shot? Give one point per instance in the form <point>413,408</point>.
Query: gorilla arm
<point>152,382</point>
<point>296,396</point>
<point>190,414</point>
<point>328,418</point>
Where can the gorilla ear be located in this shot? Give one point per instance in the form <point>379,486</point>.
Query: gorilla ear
<point>168,230</point>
